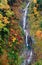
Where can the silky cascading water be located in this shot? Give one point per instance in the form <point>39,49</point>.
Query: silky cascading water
<point>25,28</point>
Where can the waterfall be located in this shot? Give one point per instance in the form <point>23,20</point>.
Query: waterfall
<point>24,23</point>
<point>29,52</point>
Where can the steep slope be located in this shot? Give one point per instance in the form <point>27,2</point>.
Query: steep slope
<point>11,33</point>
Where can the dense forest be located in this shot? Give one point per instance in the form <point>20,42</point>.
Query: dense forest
<point>12,41</point>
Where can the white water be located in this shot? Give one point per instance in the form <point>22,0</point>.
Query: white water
<point>29,52</point>
<point>24,17</point>
<point>24,23</point>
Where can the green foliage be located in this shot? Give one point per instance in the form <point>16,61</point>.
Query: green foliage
<point>1,25</point>
<point>35,20</point>
<point>11,34</point>
<point>1,51</point>
<point>41,24</point>
<point>4,33</point>
<point>12,56</point>
<point>23,5</point>
<point>39,1</point>
<point>0,1</point>
<point>38,62</point>
<point>9,13</point>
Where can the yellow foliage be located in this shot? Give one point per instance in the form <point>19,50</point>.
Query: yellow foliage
<point>2,6</point>
<point>10,44</point>
<point>7,7</point>
<point>1,16</point>
<point>35,9</point>
<point>14,39</point>
<point>37,13</point>
<point>4,1</point>
<point>5,20</point>
<point>1,25</point>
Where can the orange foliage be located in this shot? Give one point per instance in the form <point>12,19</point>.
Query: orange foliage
<point>4,58</point>
<point>35,1</point>
<point>5,20</point>
<point>39,34</point>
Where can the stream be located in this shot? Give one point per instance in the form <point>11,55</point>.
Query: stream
<point>28,53</point>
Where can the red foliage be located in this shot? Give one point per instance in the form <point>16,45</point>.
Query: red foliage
<point>19,38</point>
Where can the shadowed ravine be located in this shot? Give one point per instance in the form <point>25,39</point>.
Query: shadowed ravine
<point>28,52</point>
